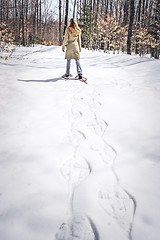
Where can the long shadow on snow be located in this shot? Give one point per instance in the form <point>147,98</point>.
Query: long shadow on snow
<point>45,81</point>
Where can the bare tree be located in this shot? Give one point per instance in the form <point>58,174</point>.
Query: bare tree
<point>1,10</point>
<point>66,16</point>
<point>22,16</point>
<point>40,17</point>
<point>60,25</point>
<point>106,8</point>
<point>130,26</point>
<point>74,8</point>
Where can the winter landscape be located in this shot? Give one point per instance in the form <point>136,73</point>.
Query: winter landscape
<point>79,161</point>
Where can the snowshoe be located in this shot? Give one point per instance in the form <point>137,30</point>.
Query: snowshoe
<point>67,77</point>
<point>81,78</point>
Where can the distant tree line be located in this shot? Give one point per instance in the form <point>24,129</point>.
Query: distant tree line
<point>30,21</point>
<point>130,26</point>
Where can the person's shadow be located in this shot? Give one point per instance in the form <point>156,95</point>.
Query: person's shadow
<point>45,81</point>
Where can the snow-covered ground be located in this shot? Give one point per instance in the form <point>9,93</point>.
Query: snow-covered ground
<point>79,161</point>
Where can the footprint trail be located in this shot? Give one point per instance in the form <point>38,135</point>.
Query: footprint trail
<point>87,131</point>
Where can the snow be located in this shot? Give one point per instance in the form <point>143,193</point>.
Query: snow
<point>79,161</point>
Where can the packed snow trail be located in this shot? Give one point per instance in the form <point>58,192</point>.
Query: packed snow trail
<point>77,159</point>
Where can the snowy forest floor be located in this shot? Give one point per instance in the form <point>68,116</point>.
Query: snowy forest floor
<point>79,161</point>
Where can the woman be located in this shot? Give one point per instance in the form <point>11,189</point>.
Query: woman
<point>72,40</point>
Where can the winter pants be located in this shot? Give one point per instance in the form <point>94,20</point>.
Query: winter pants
<point>79,69</point>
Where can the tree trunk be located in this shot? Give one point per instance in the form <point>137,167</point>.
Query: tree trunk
<point>40,18</point>
<point>0,11</point>
<point>23,38</point>
<point>26,27</point>
<point>130,27</point>
<point>139,17</point>
<point>37,17</point>
<point>60,34</point>
<point>94,6</point>
<point>80,6</point>
<point>125,16</point>
<point>16,20</point>
<point>139,11</point>
<point>66,16</point>
<point>157,27</point>
<point>111,8</point>
<point>102,7</point>
<point>97,11</point>
<point>106,9</point>
<point>74,8</point>
<point>6,11</point>
<point>34,20</point>
<point>143,12</point>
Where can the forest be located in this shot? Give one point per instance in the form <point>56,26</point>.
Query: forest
<point>128,26</point>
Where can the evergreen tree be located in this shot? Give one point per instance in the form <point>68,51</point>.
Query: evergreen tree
<point>88,26</point>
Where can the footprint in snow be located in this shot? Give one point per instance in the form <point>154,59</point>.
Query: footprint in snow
<point>108,154</point>
<point>77,227</point>
<point>77,137</point>
<point>75,170</point>
<point>118,204</point>
<point>97,125</point>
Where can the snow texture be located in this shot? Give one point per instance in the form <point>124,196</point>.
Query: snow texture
<point>79,161</point>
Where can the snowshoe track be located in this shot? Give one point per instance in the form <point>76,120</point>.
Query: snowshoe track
<point>76,227</point>
<point>88,126</point>
<point>117,204</point>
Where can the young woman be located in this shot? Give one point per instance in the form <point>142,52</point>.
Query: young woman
<point>72,42</point>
